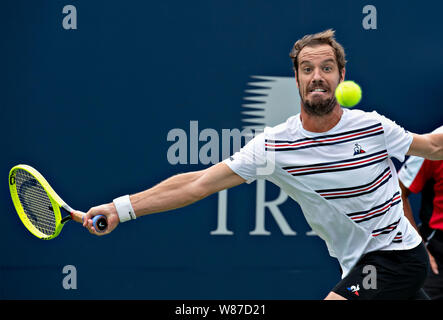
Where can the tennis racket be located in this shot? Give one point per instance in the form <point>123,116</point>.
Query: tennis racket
<point>40,209</point>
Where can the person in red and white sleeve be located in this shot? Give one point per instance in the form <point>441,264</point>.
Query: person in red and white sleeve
<point>419,175</point>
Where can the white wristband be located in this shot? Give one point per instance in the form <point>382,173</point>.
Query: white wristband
<point>124,208</point>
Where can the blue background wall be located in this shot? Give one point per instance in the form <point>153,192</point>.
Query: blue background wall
<point>91,108</point>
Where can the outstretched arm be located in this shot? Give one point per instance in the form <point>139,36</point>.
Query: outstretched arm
<point>429,146</point>
<point>184,189</point>
<point>175,192</point>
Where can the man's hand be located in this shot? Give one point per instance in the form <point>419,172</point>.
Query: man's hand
<point>434,265</point>
<point>109,211</point>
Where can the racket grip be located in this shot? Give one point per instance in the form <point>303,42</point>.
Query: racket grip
<point>100,223</point>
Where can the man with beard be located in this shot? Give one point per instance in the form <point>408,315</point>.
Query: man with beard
<point>336,163</point>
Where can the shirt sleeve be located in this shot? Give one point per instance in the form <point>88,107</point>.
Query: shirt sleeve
<point>412,174</point>
<point>249,161</point>
<point>397,138</point>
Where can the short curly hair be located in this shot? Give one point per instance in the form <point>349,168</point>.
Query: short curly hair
<point>324,37</point>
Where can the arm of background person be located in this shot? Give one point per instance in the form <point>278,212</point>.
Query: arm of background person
<point>405,192</point>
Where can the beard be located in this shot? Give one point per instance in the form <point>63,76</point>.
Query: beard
<point>320,107</point>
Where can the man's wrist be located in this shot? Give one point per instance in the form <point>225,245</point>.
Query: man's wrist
<point>124,208</point>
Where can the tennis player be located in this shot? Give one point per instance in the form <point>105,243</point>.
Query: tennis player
<point>336,163</point>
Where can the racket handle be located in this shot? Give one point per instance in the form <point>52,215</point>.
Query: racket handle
<point>100,223</point>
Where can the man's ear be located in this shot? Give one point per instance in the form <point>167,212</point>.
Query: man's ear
<point>296,79</point>
<point>342,74</point>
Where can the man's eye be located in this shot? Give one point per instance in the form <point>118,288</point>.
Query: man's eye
<point>327,69</point>
<point>307,69</point>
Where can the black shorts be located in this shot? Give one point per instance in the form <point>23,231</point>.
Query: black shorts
<point>392,275</point>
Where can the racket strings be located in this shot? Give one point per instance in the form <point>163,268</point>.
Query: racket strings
<point>35,202</point>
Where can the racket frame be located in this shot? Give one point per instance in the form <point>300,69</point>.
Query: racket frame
<point>56,202</point>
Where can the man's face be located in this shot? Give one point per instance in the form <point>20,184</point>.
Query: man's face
<point>317,77</point>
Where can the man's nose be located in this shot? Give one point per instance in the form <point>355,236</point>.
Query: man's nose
<point>317,76</point>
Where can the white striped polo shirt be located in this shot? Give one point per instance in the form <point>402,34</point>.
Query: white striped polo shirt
<point>343,179</point>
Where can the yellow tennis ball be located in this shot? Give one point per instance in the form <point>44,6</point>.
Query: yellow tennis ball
<point>348,93</point>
